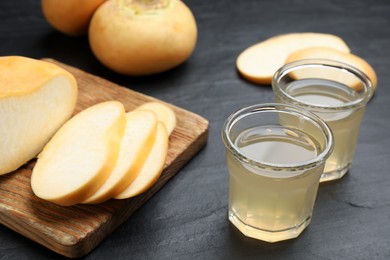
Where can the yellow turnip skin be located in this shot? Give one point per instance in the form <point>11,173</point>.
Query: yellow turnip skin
<point>70,17</point>
<point>142,37</point>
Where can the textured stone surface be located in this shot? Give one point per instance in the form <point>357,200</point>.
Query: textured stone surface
<point>187,219</point>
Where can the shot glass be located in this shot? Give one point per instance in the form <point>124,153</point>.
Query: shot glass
<point>334,91</point>
<point>274,166</point>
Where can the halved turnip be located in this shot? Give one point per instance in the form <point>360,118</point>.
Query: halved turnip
<point>36,98</point>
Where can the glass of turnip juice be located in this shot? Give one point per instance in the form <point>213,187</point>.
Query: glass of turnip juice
<point>275,156</point>
<point>334,91</point>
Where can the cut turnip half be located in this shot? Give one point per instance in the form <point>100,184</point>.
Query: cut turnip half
<point>36,98</point>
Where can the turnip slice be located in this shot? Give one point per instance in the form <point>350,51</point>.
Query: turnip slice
<point>164,114</point>
<point>152,168</point>
<point>137,141</point>
<point>81,155</point>
<point>259,62</point>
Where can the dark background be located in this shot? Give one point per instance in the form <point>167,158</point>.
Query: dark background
<point>187,219</point>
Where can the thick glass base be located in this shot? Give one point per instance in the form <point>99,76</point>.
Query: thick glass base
<point>267,235</point>
<point>335,174</point>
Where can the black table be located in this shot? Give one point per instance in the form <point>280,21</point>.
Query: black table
<point>187,219</point>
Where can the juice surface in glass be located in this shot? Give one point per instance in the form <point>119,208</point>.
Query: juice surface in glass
<point>334,91</point>
<point>268,204</point>
<point>344,124</point>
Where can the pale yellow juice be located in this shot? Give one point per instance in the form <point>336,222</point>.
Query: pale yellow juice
<point>344,124</point>
<point>269,204</point>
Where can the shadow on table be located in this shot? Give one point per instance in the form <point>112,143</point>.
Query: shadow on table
<point>75,51</point>
<point>242,246</point>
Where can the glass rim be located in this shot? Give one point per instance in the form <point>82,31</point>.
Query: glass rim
<point>241,113</point>
<point>291,66</point>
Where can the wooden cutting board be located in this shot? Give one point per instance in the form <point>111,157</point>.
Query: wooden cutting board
<point>75,231</point>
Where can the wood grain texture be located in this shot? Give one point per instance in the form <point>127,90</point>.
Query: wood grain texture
<point>75,231</point>
<point>187,219</point>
